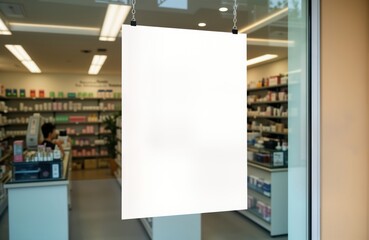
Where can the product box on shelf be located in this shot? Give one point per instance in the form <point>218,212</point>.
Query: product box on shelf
<point>41,93</point>
<point>18,151</point>
<point>8,92</point>
<point>22,93</point>
<point>77,118</point>
<point>32,93</point>
<point>274,81</point>
<point>71,95</point>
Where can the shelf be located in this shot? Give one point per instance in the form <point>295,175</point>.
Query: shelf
<point>268,132</point>
<point>265,88</point>
<point>255,189</point>
<point>79,111</point>
<point>5,138</point>
<point>87,99</point>
<point>270,117</point>
<point>89,146</point>
<point>255,149</point>
<point>147,226</point>
<point>56,98</point>
<point>88,134</point>
<point>15,136</point>
<point>90,157</point>
<point>6,156</point>
<point>61,111</point>
<point>29,112</point>
<point>267,167</point>
<point>270,102</point>
<point>17,124</point>
<point>76,123</point>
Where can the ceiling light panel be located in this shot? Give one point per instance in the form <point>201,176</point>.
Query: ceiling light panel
<point>96,64</point>
<point>265,21</point>
<point>21,54</point>
<point>59,29</point>
<point>270,42</point>
<point>260,59</point>
<point>4,29</point>
<point>31,66</point>
<point>114,18</point>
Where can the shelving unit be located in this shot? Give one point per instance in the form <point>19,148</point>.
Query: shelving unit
<point>118,157</point>
<point>278,199</point>
<point>98,106</point>
<point>268,198</point>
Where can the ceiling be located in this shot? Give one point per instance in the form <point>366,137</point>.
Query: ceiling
<point>62,53</point>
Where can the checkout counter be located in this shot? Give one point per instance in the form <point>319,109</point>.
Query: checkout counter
<point>38,208</point>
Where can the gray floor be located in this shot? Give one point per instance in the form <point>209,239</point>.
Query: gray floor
<point>96,215</point>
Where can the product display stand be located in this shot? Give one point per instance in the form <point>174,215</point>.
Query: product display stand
<point>39,209</point>
<point>277,222</point>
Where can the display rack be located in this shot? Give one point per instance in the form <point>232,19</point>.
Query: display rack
<point>277,199</point>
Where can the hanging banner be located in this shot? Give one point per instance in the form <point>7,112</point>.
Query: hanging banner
<point>184,122</point>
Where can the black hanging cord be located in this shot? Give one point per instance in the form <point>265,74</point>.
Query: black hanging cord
<point>234,29</point>
<point>133,20</point>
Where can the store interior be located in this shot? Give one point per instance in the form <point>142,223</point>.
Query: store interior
<point>62,37</point>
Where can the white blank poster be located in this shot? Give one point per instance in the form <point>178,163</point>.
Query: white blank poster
<point>184,122</point>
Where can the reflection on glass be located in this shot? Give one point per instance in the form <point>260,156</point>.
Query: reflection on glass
<point>175,4</point>
<point>298,123</point>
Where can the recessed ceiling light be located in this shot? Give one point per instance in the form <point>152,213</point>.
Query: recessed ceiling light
<point>223,9</point>
<point>96,64</point>
<point>114,18</point>
<point>21,54</point>
<point>86,51</point>
<point>202,24</point>
<point>260,59</point>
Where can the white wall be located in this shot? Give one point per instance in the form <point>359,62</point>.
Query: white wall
<point>60,82</point>
<point>271,69</point>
